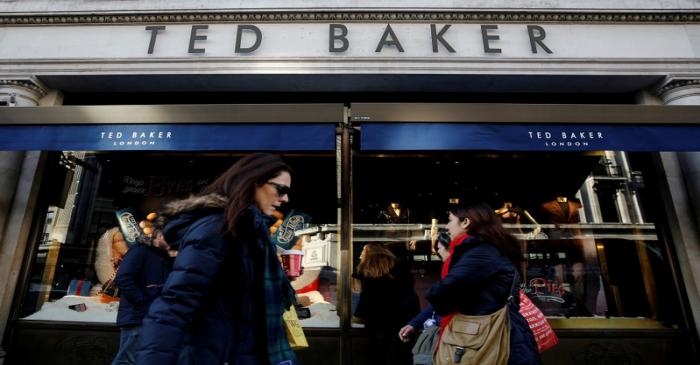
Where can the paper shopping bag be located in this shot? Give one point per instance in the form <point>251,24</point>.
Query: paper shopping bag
<point>295,334</point>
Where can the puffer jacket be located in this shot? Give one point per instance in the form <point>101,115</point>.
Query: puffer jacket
<point>210,310</point>
<point>478,283</point>
<point>140,279</point>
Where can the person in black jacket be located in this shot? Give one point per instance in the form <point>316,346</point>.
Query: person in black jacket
<point>480,276</point>
<point>140,278</point>
<point>387,302</point>
<point>223,301</point>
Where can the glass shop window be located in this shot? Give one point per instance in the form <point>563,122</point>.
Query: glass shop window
<point>588,223</point>
<point>100,203</point>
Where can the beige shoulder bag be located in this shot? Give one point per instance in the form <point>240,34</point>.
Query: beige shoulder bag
<point>483,340</point>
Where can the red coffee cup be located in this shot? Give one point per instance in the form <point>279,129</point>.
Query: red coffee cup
<point>291,262</point>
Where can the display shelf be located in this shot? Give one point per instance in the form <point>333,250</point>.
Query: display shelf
<point>421,232</point>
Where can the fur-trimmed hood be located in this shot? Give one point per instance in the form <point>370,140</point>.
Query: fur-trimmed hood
<point>104,266</point>
<point>175,217</point>
<point>190,204</point>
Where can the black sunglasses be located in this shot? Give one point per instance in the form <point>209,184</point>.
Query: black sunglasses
<point>282,190</point>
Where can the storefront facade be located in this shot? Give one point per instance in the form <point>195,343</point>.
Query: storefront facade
<point>578,125</point>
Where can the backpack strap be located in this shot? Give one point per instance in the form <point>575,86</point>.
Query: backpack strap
<point>511,296</point>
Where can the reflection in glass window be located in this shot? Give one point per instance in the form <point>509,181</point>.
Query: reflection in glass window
<point>91,195</point>
<point>588,223</point>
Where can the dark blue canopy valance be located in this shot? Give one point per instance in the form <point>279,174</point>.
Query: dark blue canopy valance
<point>375,136</point>
<point>528,137</point>
<point>169,137</point>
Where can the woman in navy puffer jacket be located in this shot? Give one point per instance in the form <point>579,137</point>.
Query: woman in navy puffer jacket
<point>223,301</point>
<point>140,278</point>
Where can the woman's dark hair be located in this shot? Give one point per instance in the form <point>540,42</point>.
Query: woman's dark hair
<point>238,183</point>
<point>444,240</point>
<point>487,226</point>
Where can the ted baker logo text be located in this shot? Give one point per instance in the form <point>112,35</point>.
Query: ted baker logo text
<point>249,38</point>
<point>566,139</point>
<point>135,138</point>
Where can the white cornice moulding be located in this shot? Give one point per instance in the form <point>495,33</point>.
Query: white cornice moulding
<point>76,6</point>
<point>399,15</point>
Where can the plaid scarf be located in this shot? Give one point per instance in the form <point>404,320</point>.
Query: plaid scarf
<point>278,294</point>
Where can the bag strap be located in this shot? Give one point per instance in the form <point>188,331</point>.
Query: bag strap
<point>511,296</point>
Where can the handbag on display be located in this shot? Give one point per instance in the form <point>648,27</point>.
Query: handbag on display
<point>295,334</point>
<point>109,292</point>
<point>79,287</point>
<point>472,340</point>
<point>544,335</point>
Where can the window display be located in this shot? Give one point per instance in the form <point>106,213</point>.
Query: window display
<point>587,226</point>
<point>111,203</point>
<point>587,223</point>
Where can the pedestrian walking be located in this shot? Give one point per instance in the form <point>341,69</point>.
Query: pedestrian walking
<point>479,279</point>
<point>140,278</point>
<point>224,299</point>
<point>387,302</point>
<point>427,321</point>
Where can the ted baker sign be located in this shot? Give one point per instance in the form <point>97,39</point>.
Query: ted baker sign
<point>135,138</point>
<point>580,138</point>
<point>249,38</point>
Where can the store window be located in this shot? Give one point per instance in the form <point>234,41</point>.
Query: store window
<point>589,222</point>
<point>84,237</point>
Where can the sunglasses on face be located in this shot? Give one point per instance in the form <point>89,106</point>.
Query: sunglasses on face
<point>282,190</point>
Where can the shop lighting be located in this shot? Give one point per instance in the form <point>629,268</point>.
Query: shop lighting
<point>396,208</point>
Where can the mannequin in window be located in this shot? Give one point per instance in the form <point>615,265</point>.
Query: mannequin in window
<point>111,248</point>
<point>568,258</point>
<point>514,214</point>
<point>393,213</point>
<point>561,210</point>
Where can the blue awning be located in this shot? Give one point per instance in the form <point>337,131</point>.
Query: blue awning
<point>528,137</point>
<point>169,137</point>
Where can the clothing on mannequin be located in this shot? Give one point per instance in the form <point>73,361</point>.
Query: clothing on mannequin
<point>561,210</point>
<point>513,214</point>
<point>393,213</point>
<point>567,265</point>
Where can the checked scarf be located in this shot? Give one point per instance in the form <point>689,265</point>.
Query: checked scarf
<point>278,294</point>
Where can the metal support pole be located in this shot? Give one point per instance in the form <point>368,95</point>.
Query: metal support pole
<point>345,234</point>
